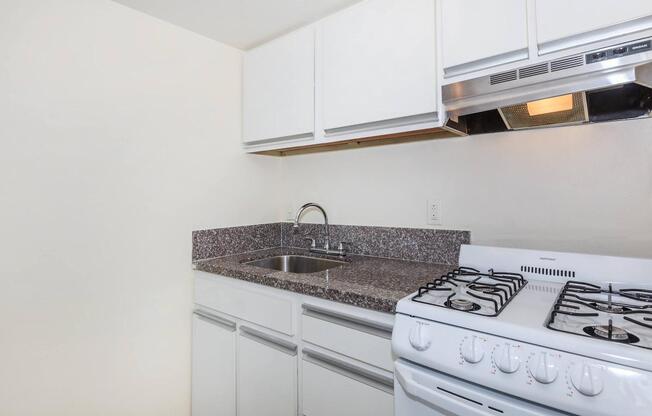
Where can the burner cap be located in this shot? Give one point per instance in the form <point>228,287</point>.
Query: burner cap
<point>617,334</point>
<point>613,309</point>
<point>463,305</point>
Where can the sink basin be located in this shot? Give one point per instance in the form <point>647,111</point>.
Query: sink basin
<point>296,264</point>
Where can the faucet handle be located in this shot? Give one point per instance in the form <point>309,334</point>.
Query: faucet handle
<point>344,243</point>
<point>313,244</point>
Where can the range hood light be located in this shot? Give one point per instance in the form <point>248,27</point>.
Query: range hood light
<point>550,105</point>
<point>565,109</point>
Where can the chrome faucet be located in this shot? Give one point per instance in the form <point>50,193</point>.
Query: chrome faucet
<point>327,238</point>
<point>327,242</point>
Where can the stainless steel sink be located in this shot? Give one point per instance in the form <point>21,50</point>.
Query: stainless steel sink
<point>296,264</point>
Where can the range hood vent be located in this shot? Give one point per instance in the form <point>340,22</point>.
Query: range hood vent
<point>533,71</point>
<point>502,77</point>
<point>566,63</point>
<point>607,84</point>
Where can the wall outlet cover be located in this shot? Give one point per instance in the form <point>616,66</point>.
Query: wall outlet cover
<point>434,212</point>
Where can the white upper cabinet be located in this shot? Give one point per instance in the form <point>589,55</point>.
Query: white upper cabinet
<point>563,24</point>
<point>374,68</point>
<point>378,67</point>
<point>278,89</point>
<point>478,34</point>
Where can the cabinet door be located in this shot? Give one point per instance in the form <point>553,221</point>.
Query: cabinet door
<point>478,34</point>
<point>378,64</point>
<point>278,88</point>
<point>267,375</point>
<point>213,366</point>
<point>332,389</point>
<point>563,24</point>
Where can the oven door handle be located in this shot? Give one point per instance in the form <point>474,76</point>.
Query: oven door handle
<point>436,399</point>
<point>450,398</point>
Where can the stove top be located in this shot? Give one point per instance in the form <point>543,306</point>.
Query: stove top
<point>622,315</point>
<point>468,290</point>
<point>550,330</point>
<point>521,301</point>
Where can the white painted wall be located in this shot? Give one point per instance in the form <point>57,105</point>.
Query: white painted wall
<point>583,188</point>
<point>119,134</point>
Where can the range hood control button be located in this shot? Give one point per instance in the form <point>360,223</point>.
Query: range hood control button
<point>598,55</point>
<point>620,51</point>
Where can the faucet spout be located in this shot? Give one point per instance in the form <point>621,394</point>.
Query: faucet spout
<point>327,243</point>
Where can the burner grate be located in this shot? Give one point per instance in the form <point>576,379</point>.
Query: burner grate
<point>581,299</point>
<point>495,288</point>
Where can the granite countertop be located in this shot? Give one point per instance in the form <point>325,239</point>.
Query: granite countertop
<point>369,282</point>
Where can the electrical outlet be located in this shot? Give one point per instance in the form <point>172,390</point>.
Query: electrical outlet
<point>434,212</point>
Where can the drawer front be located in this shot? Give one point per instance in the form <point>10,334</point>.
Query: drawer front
<point>328,391</point>
<point>358,338</point>
<point>253,305</point>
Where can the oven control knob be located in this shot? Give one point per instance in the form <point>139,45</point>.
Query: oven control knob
<point>473,349</point>
<point>507,358</point>
<point>587,379</point>
<point>543,368</point>
<point>419,338</point>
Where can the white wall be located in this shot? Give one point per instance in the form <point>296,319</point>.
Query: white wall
<point>118,136</point>
<point>583,188</point>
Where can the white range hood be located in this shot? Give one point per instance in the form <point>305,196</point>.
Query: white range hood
<point>598,85</point>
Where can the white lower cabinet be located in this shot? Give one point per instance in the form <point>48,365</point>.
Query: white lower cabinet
<point>305,356</point>
<point>213,366</point>
<point>343,390</point>
<point>267,375</point>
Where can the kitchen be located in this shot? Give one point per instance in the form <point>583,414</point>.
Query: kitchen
<point>131,126</point>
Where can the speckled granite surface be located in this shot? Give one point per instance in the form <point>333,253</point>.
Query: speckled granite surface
<point>367,282</point>
<point>232,240</point>
<point>426,245</point>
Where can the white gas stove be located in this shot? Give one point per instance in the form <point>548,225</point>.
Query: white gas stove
<point>524,332</point>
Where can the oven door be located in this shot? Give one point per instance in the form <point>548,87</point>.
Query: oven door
<point>419,391</point>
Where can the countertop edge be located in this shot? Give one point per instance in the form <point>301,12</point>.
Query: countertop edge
<point>384,301</point>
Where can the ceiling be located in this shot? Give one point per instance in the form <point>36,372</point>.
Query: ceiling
<point>239,23</point>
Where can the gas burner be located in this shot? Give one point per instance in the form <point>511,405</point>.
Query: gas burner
<point>462,305</point>
<point>616,334</point>
<point>468,290</point>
